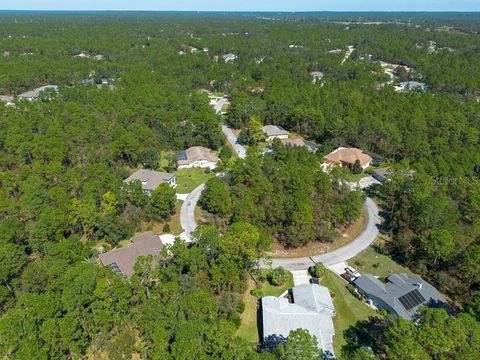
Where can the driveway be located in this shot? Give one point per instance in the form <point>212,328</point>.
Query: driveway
<point>187,211</point>
<point>233,140</point>
<point>219,104</point>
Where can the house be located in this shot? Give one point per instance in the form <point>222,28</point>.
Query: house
<point>274,132</point>
<point>411,85</point>
<point>34,94</point>
<point>197,156</point>
<point>7,99</point>
<point>309,307</point>
<point>316,76</point>
<point>377,159</point>
<point>300,142</point>
<point>229,57</point>
<point>381,175</point>
<point>122,260</point>
<point>151,179</point>
<point>347,157</point>
<point>401,295</point>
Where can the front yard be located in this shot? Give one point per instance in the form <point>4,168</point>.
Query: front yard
<point>189,179</point>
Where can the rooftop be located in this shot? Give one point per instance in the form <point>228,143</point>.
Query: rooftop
<point>150,179</point>
<point>403,293</point>
<point>273,130</point>
<point>312,309</point>
<point>348,156</point>
<point>196,153</point>
<point>122,260</point>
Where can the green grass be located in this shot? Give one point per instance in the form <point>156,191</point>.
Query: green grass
<point>371,262</point>
<point>248,329</point>
<point>349,310</point>
<point>189,179</point>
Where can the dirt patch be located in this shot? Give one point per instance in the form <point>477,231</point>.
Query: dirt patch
<point>348,234</point>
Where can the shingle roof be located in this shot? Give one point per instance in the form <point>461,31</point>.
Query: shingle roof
<point>122,260</point>
<point>399,292</point>
<point>272,130</point>
<point>348,156</point>
<point>150,179</point>
<point>196,153</point>
<point>312,310</point>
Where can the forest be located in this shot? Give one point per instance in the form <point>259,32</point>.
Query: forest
<point>63,158</point>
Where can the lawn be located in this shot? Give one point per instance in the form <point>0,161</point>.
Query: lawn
<point>175,227</point>
<point>349,310</point>
<point>248,328</point>
<point>189,179</point>
<point>371,262</point>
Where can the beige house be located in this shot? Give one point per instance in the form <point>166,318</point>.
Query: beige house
<point>197,156</point>
<point>347,157</point>
<point>122,260</point>
<point>152,179</point>
<point>274,132</point>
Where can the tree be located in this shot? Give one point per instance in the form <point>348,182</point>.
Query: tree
<point>216,198</point>
<point>357,167</point>
<point>439,245</point>
<point>278,276</point>
<point>163,201</point>
<point>254,131</point>
<point>300,345</point>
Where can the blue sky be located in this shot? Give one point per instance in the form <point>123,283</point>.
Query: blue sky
<point>245,5</point>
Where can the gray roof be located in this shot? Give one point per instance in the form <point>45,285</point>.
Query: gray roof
<point>122,260</point>
<point>312,309</point>
<point>272,130</point>
<point>413,84</point>
<point>33,94</point>
<point>6,98</point>
<point>383,172</point>
<point>150,179</point>
<point>396,291</point>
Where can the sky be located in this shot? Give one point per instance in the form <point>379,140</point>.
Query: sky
<point>245,5</point>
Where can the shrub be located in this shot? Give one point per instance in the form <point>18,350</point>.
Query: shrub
<point>166,228</point>
<point>278,276</point>
<point>376,265</point>
<point>354,291</point>
<point>318,270</point>
<point>258,293</point>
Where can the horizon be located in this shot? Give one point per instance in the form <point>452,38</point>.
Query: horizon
<point>246,6</point>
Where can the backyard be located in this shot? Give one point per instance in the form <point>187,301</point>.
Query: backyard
<point>189,179</point>
<point>248,328</point>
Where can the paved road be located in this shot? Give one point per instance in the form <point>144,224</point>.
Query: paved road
<point>363,241</point>
<point>233,140</point>
<point>219,104</point>
<point>187,211</point>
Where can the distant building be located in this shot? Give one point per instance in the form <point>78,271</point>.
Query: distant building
<point>347,157</point>
<point>300,142</point>
<point>401,295</point>
<point>197,156</point>
<point>274,132</point>
<point>316,75</point>
<point>34,94</point>
<point>7,99</point>
<point>310,307</point>
<point>335,51</point>
<point>229,57</point>
<point>411,85</point>
<point>151,179</point>
<point>377,159</point>
<point>122,260</point>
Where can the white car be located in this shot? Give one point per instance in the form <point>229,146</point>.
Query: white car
<point>352,272</point>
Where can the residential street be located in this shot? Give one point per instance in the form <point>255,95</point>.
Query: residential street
<point>219,105</point>
<point>232,139</point>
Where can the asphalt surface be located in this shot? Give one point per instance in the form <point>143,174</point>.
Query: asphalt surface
<point>187,211</point>
<point>233,140</point>
<point>219,105</point>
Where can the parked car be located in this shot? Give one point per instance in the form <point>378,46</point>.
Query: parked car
<point>352,272</point>
<point>314,280</point>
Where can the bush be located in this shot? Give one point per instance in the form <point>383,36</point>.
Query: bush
<point>376,265</point>
<point>318,270</point>
<point>354,291</point>
<point>258,293</point>
<point>166,228</point>
<point>278,276</point>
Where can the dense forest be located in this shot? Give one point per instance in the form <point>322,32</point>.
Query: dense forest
<point>63,158</point>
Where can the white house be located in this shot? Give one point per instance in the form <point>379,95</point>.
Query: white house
<point>274,132</point>
<point>197,156</point>
<point>151,179</point>
<point>229,57</point>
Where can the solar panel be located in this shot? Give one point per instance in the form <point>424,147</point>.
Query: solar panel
<point>411,299</point>
<point>181,155</point>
